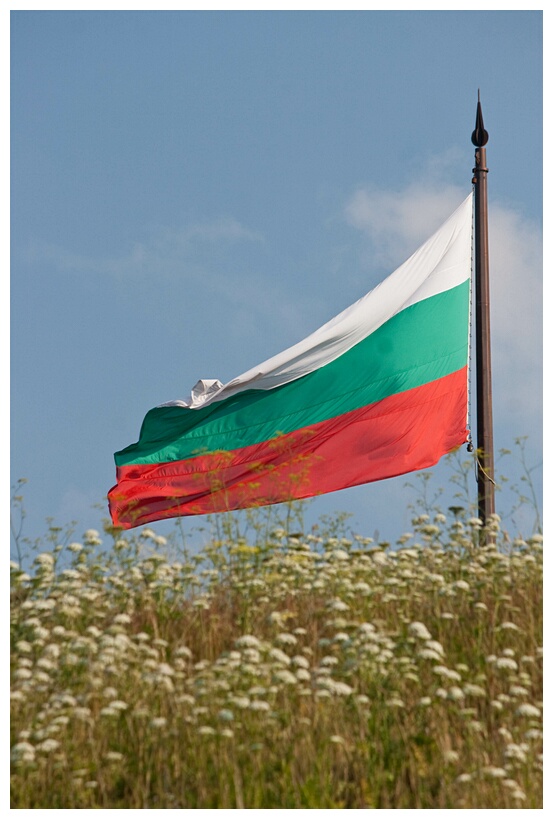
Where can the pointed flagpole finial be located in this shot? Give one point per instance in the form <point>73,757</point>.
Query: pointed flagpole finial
<point>479,135</point>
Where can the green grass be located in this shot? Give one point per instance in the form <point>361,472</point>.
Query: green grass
<point>279,671</point>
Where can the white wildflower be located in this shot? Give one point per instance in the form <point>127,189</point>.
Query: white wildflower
<point>45,559</point>
<point>240,701</point>
<point>506,662</point>
<point>158,722</point>
<point>279,656</point>
<point>518,691</point>
<point>257,691</point>
<point>82,712</point>
<point>517,752</point>
<point>442,671</point>
<point>48,745</point>
<point>434,645</point>
<point>247,641</point>
<point>23,752</point>
<point>342,688</point>
<point>494,772</point>
<point>472,690</point>
<point>118,705</point>
<point>285,676</point>
<point>329,660</point>
<point>528,710</point>
<point>286,639</point>
<point>430,530</point>
<point>122,619</point>
<point>337,605</point>
<point>45,664</point>
<point>428,654</point>
<point>252,655</point>
<point>508,626</point>
<point>419,631</point>
<point>110,692</point>
<point>519,795</point>
<point>303,674</point>
<point>259,705</point>
<point>438,579</point>
<point>113,756</point>
<point>75,547</point>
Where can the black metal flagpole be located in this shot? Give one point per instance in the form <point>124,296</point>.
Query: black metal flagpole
<point>485,460</point>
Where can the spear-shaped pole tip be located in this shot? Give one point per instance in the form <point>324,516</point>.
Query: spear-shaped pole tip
<point>479,135</point>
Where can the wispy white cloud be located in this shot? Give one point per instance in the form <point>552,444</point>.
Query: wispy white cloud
<point>397,222</point>
<point>393,224</point>
<point>516,311</point>
<point>167,251</point>
<point>207,258</point>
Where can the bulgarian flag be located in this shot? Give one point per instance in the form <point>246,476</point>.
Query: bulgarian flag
<point>378,391</point>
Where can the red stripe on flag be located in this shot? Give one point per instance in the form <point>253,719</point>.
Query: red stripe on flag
<point>400,434</point>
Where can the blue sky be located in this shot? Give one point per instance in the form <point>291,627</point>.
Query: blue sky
<point>194,191</point>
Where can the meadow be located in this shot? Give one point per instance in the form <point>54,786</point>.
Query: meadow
<point>278,668</point>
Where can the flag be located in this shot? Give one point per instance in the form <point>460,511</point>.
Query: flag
<point>378,391</point>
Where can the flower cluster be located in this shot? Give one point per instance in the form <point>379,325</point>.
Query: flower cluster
<point>142,681</point>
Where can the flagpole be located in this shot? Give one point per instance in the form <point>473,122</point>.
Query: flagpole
<point>485,459</point>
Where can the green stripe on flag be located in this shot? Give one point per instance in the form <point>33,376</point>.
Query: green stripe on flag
<point>422,343</point>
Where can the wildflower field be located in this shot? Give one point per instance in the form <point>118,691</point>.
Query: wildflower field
<point>279,669</point>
